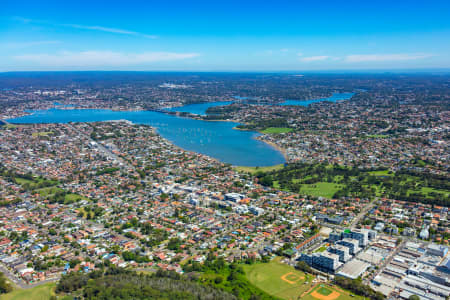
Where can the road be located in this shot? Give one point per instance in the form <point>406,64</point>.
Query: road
<point>362,213</point>
<point>20,283</point>
<point>103,149</point>
<point>389,258</point>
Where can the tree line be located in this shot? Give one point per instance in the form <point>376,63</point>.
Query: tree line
<point>118,283</point>
<point>403,185</point>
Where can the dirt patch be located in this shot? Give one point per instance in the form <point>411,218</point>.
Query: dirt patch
<point>291,278</point>
<point>332,296</point>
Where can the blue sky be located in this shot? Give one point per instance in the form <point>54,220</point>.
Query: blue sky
<point>224,35</point>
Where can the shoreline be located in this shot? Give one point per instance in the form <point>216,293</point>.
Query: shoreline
<point>244,129</point>
<point>161,110</point>
<point>273,145</point>
<point>278,148</point>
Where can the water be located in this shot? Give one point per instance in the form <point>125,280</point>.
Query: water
<point>216,139</point>
<point>198,108</point>
<point>335,97</point>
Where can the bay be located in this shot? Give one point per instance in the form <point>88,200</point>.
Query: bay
<point>333,98</point>
<point>216,139</point>
<point>198,108</point>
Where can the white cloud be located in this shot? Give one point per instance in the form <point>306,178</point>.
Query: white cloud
<point>17,45</point>
<point>21,19</point>
<point>86,27</point>
<point>111,30</point>
<point>314,58</point>
<point>359,58</point>
<point>101,58</point>
<point>270,52</point>
<point>384,57</point>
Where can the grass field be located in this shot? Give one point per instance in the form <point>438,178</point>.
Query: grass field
<point>274,130</point>
<point>69,198</point>
<point>321,189</point>
<point>326,292</point>
<point>427,190</point>
<point>49,191</point>
<point>74,197</point>
<point>381,173</point>
<point>23,181</point>
<point>34,182</point>
<point>278,279</point>
<point>321,249</point>
<point>40,292</point>
<point>12,126</point>
<point>253,170</point>
<point>304,179</point>
<point>42,133</point>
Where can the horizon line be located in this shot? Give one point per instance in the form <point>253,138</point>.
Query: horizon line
<point>395,70</point>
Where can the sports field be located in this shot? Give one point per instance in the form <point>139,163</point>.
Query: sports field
<point>278,279</point>
<point>40,292</point>
<point>272,130</point>
<point>42,133</point>
<point>253,170</point>
<point>324,291</point>
<point>321,189</point>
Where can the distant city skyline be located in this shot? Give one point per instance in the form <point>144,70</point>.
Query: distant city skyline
<point>226,36</point>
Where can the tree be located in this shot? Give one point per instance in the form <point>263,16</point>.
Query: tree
<point>303,266</point>
<point>414,297</point>
<point>174,244</point>
<point>266,180</point>
<point>5,287</point>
